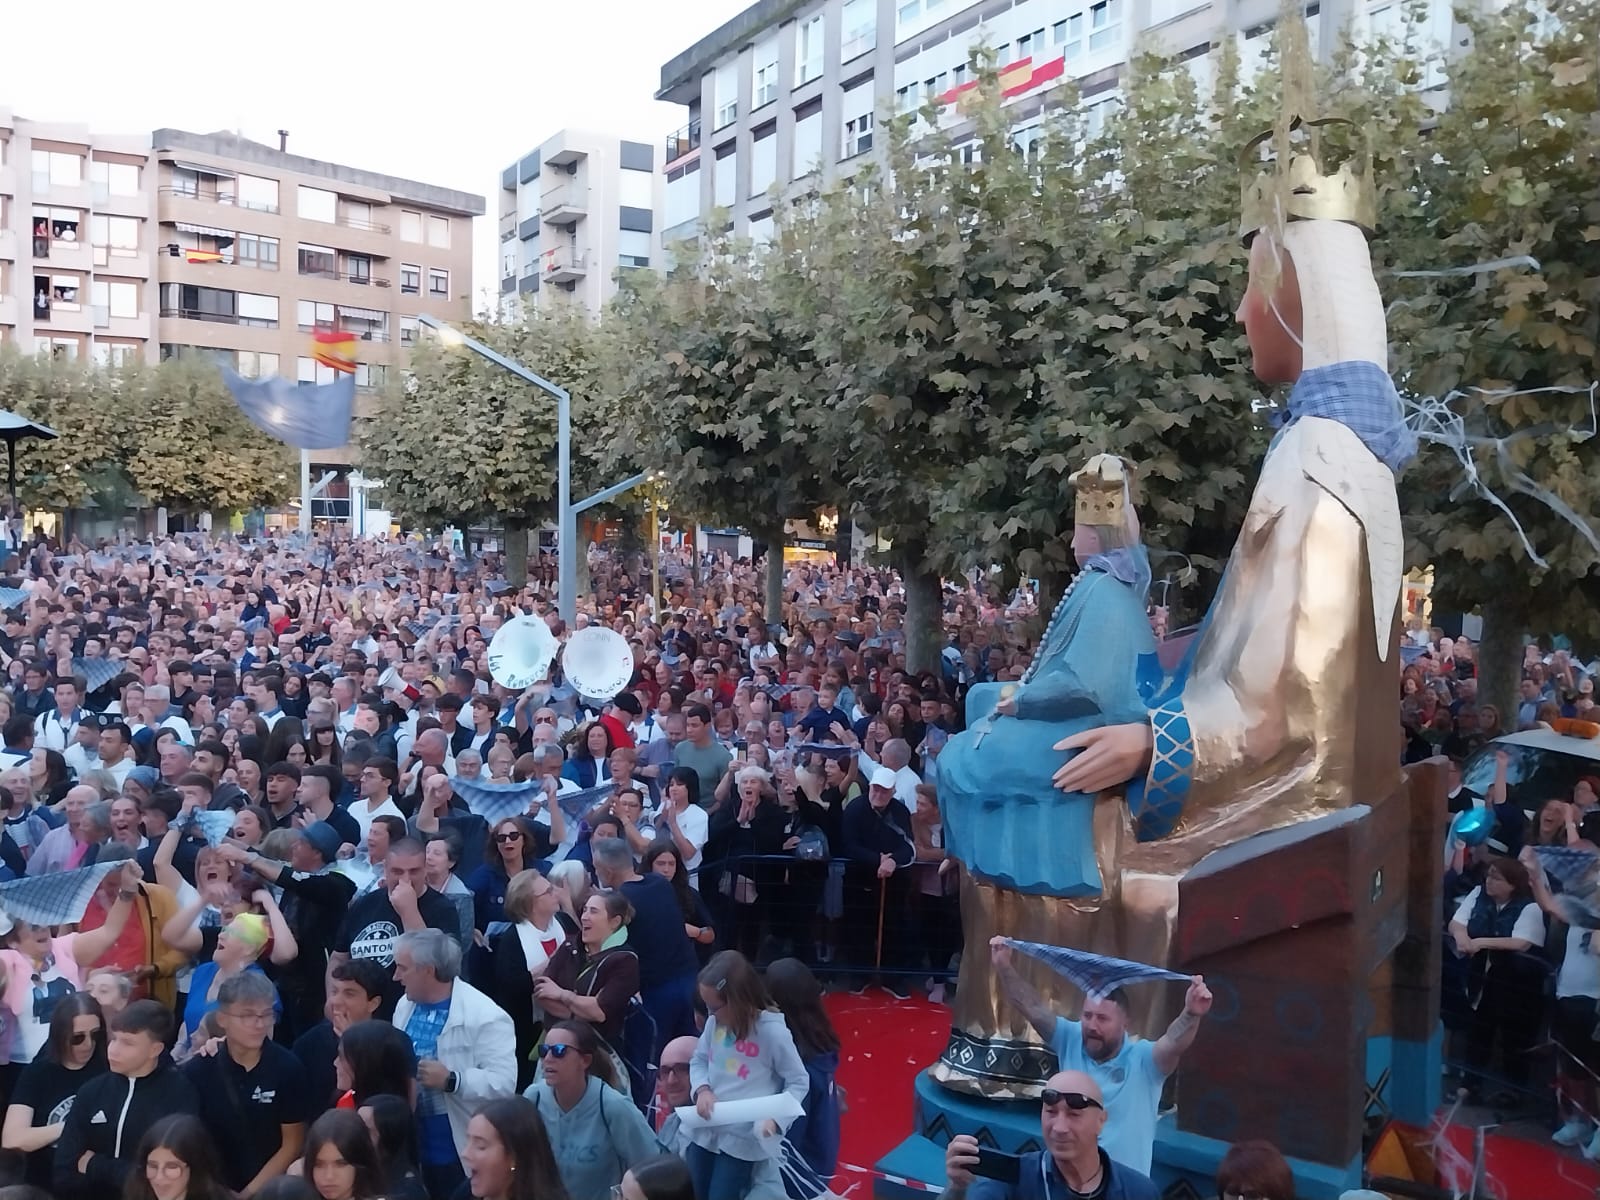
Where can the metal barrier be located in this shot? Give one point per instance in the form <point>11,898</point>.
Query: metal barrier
<point>835,915</point>
<point>1498,1031</point>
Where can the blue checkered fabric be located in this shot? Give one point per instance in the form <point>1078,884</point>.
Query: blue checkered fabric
<point>97,672</point>
<point>11,597</point>
<point>1361,397</point>
<point>1577,870</point>
<point>497,801</point>
<point>214,826</point>
<point>1157,808</point>
<point>1095,975</point>
<point>55,898</point>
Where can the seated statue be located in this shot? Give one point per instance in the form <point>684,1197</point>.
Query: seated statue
<point>1038,860</point>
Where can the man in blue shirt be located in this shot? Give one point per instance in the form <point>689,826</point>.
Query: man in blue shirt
<point>1128,1071</point>
<point>1072,1164</point>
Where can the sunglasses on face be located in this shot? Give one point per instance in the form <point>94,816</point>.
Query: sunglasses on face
<point>80,1037</point>
<point>556,1050</point>
<point>1076,1101</point>
<point>673,1069</point>
<point>512,836</point>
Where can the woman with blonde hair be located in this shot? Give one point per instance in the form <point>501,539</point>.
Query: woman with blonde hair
<point>522,953</point>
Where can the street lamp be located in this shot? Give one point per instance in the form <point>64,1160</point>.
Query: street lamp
<point>566,511</point>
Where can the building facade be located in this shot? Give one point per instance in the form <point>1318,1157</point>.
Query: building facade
<point>258,249</point>
<point>78,262</point>
<point>574,212</point>
<point>789,93</point>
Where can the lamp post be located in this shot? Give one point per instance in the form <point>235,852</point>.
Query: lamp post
<point>566,511</point>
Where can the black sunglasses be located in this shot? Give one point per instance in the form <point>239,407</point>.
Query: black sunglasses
<point>81,1037</point>
<point>1076,1101</point>
<point>554,1050</point>
<point>512,836</point>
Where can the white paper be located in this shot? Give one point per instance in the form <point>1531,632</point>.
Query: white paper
<point>782,1108</point>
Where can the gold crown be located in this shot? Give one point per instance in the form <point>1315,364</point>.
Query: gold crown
<point>1102,485</point>
<point>1302,191</point>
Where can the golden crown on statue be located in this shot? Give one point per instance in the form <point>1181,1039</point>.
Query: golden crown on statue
<point>1301,190</point>
<point>1102,485</point>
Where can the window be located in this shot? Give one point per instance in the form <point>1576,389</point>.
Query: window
<point>262,194</point>
<point>199,303</point>
<point>807,141</point>
<point>358,268</point>
<point>1067,37</point>
<point>310,316</point>
<point>64,291</point>
<point>258,310</point>
<point>439,232</point>
<point>1030,44</point>
<point>765,72</point>
<point>58,225</point>
<point>117,179</point>
<point>410,226</point>
<point>905,99</point>
<point>764,160</point>
<point>52,168</point>
<point>318,260</point>
<point>633,248</point>
<point>118,297</point>
<point>858,123</point>
<point>761,229</point>
<point>309,372</point>
<point>117,235</point>
<point>1105,25</point>
<point>410,279</point>
<point>438,282</point>
<point>256,251</point>
<point>114,354</point>
<point>808,50</point>
<point>858,25</point>
<point>725,94</point>
<point>358,214</point>
<point>371,375</point>
<point>409,329</point>
<point>724,184</point>
<point>933,89</point>
<point>64,348</point>
<point>683,195</point>
<point>315,204</point>
<point>254,364</point>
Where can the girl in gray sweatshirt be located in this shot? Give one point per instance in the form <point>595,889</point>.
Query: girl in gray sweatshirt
<point>745,1052</point>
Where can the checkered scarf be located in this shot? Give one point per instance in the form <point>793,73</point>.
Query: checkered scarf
<point>495,802</point>
<point>214,826</point>
<point>1361,397</point>
<point>1096,975</point>
<point>55,898</point>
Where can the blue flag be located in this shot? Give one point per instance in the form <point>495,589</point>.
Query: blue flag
<point>308,416</point>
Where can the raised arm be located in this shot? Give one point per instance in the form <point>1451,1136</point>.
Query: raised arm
<point>1020,992</point>
<point>88,947</point>
<point>1181,1033</point>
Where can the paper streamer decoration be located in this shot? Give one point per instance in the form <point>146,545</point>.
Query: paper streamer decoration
<point>214,826</point>
<point>782,1108</point>
<point>57,898</point>
<point>1096,975</point>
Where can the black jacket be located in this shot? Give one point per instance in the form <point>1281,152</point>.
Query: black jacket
<point>869,834</point>
<point>109,1117</point>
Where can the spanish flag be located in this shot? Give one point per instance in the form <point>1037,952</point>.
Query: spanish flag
<point>202,256</point>
<point>335,348</point>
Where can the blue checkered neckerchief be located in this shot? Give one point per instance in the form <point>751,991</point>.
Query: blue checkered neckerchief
<point>1361,397</point>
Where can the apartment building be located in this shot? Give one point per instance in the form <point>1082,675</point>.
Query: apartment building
<point>258,248</point>
<point>574,212</point>
<point>789,93</point>
<point>77,241</point>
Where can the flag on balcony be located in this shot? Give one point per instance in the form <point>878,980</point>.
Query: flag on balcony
<point>335,348</point>
<point>202,256</point>
<point>308,416</point>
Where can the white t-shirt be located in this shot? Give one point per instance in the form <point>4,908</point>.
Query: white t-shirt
<point>1130,1088</point>
<point>365,815</point>
<point>1580,969</point>
<point>1530,921</point>
<point>696,826</point>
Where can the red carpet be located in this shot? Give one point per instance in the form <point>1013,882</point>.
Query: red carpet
<point>886,1042</point>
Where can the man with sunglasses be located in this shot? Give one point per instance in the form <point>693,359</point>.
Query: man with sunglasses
<point>1129,1071</point>
<point>1072,1166</point>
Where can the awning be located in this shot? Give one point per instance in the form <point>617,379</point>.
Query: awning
<point>203,230</point>
<point>201,168</point>
<point>362,314</point>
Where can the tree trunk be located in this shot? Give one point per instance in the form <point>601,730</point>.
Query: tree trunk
<point>517,551</point>
<point>1500,658</point>
<point>774,602</point>
<point>924,610</point>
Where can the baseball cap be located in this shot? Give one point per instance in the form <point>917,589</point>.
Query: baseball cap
<point>884,778</point>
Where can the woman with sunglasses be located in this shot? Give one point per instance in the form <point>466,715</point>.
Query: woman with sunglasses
<point>595,1131</point>
<point>508,852</point>
<point>522,953</point>
<point>73,1054</point>
<point>176,1160</point>
<point>1072,1115</point>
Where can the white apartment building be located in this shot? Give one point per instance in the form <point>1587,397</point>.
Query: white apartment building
<point>78,263</point>
<point>789,92</point>
<point>576,211</point>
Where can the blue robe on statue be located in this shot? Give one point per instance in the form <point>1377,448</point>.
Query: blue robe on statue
<point>1003,817</point>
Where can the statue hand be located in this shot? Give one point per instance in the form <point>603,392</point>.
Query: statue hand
<point>1007,707</point>
<point>1108,756</point>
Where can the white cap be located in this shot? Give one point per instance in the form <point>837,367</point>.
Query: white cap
<point>884,778</point>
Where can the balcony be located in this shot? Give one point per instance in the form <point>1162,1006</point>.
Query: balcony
<point>197,314</point>
<point>366,224</point>
<point>204,196</point>
<point>8,310</point>
<point>8,245</point>
<point>684,142</point>
<point>565,203</point>
<point>563,264</point>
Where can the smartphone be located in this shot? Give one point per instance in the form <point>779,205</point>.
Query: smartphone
<point>997,1165</point>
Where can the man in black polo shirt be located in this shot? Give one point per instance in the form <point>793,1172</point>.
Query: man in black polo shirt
<point>320,789</point>
<point>254,1090</point>
<point>404,902</point>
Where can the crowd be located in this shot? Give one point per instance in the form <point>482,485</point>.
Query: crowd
<point>1521,969</point>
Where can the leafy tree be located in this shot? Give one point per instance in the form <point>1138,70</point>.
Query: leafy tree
<point>77,402</point>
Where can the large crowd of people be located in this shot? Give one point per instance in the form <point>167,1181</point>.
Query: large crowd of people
<point>292,950</point>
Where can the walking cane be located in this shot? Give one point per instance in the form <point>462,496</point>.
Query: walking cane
<point>883,895</point>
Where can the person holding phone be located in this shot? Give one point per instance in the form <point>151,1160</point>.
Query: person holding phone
<point>1071,1115</point>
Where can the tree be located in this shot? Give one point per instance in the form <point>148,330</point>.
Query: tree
<point>77,402</point>
<point>1508,169</point>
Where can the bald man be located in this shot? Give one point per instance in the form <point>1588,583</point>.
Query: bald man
<point>1071,1117</point>
<point>672,1092</point>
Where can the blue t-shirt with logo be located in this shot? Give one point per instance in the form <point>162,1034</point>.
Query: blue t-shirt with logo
<point>1130,1087</point>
